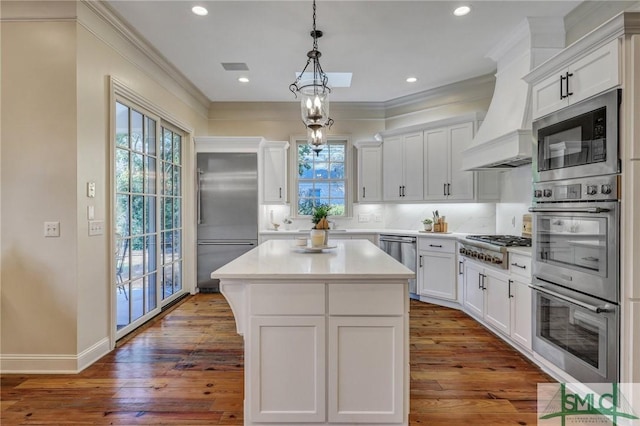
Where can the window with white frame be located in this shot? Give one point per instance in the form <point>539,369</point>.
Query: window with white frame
<point>322,178</point>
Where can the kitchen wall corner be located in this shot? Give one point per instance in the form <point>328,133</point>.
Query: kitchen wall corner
<point>515,200</point>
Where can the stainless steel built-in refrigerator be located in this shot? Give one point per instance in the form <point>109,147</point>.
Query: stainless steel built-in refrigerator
<point>227,210</point>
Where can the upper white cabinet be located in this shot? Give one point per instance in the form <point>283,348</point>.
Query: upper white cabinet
<point>274,172</point>
<point>587,75</point>
<point>444,178</point>
<point>369,171</point>
<point>402,167</point>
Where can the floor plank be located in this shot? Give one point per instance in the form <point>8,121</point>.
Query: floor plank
<point>186,368</point>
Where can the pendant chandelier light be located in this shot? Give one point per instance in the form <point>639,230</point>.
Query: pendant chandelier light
<point>314,94</point>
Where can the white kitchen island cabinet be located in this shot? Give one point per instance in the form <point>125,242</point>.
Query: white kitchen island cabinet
<point>326,335</point>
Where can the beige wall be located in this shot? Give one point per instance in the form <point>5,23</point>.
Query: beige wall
<point>55,295</point>
<point>39,159</point>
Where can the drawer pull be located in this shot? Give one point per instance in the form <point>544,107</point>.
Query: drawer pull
<point>435,245</point>
<point>591,259</point>
<point>519,266</point>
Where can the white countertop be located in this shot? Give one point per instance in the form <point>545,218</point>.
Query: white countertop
<point>351,259</point>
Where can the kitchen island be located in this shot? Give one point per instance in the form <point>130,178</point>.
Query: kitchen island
<point>326,335</point>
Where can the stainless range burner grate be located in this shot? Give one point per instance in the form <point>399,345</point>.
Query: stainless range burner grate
<point>502,240</point>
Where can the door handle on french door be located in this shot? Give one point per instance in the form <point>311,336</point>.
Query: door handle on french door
<point>199,197</point>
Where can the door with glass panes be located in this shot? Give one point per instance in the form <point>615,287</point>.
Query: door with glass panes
<point>148,215</point>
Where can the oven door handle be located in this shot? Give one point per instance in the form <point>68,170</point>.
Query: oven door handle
<point>568,210</point>
<point>592,308</point>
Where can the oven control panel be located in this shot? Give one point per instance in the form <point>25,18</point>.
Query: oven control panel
<point>598,188</point>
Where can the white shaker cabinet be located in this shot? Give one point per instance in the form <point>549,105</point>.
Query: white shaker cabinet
<point>473,299</point>
<point>497,300</point>
<point>444,178</point>
<point>592,73</point>
<point>521,295</point>
<point>486,296</point>
<point>274,172</point>
<point>369,171</point>
<point>436,268</point>
<point>402,167</point>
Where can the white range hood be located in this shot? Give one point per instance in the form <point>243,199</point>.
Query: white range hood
<point>504,139</point>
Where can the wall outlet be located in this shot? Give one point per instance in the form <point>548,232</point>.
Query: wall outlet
<point>51,229</point>
<point>378,217</point>
<point>96,227</point>
<point>363,218</point>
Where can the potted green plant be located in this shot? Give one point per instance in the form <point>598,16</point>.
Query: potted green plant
<point>319,216</point>
<point>427,224</point>
<point>321,224</point>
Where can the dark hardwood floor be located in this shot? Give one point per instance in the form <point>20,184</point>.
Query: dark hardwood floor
<point>186,368</point>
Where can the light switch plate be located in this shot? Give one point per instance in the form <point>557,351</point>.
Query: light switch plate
<point>51,229</point>
<point>90,212</point>
<point>91,189</point>
<point>96,227</point>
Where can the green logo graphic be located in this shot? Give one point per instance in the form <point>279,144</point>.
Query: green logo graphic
<point>610,405</point>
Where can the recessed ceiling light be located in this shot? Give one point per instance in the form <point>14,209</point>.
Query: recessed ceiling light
<point>411,80</point>
<point>243,79</point>
<point>462,10</point>
<point>199,10</point>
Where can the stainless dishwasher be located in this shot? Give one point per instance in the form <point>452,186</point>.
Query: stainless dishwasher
<point>403,249</point>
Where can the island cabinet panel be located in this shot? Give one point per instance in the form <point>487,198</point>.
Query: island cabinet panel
<point>366,299</point>
<point>287,299</point>
<point>287,369</point>
<point>366,369</point>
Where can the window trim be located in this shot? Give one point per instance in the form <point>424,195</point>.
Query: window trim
<point>348,173</point>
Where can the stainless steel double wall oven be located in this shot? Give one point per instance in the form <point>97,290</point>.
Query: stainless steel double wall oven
<point>576,228</point>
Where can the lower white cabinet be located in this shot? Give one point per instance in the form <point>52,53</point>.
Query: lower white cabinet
<point>327,353</point>
<point>436,268</point>
<point>486,295</point>
<point>502,300</point>
<point>497,300</point>
<point>521,313</point>
<point>288,369</point>
<point>365,353</point>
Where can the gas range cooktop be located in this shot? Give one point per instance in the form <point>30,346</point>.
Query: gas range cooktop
<point>491,249</point>
<point>502,240</point>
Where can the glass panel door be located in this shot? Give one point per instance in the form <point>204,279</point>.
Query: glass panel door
<point>135,215</point>
<point>171,218</point>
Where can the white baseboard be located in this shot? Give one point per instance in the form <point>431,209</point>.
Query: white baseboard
<point>53,364</point>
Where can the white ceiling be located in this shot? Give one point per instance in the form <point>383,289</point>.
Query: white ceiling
<point>380,42</point>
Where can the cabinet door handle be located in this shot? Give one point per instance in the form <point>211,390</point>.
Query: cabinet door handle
<point>568,92</point>
<point>562,96</point>
<point>364,191</point>
<point>448,189</point>
<point>460,268</point>
<point>400,191</point>
<point>420,261</point>
<point>435,245</point>
<point>280,192</point>
<point>510,295</point>
<point>444,189</point>
<point>480,281</point>
<point>519,266</point>
<point>483,277</point>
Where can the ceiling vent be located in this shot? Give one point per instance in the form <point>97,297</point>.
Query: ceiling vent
<point>234,66</point>
<point>504,139</point>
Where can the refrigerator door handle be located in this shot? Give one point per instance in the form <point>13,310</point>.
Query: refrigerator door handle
<point>225,243</point>
<point>199,197</point>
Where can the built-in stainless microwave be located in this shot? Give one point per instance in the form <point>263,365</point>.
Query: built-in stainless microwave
<point>580,140</point>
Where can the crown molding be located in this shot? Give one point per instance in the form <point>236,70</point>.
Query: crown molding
<point>104,12</point>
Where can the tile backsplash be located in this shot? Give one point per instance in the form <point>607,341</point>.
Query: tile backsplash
<point>515,200</point>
